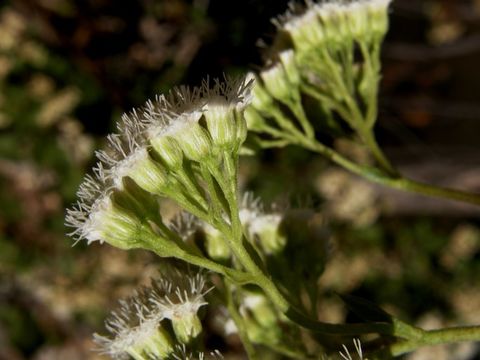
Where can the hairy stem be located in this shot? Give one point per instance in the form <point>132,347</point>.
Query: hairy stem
<point>382,178</point>
<point>436,337</point>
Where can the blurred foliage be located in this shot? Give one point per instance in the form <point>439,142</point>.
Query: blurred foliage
<point>68,69</point>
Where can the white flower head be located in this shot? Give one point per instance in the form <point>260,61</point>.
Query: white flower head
<point>277,83</point>
<point>168,114</point>
<point>234,92</point>
<point>250,208</point>
<point>258,306</point>
<point>94,200</point>
<point>135,330</point>
<point>185,225</point>
<point>172,124</point>
<point>216,245</point>
<point>303,26</point>
<point>128,156</point>
<point>261,100</point>
<point>96,216</point>
<point>334,23</point>
<point>179,296</point>
<point>225,102</point>
<point>263,224</point>
<point>105,214</point>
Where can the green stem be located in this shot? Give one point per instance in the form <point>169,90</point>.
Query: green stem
<point>297,109</point>
<point>235,275</point>
<point>237,318</point>
<point>187,179</point>
<point>284,122</point>
<point>382,178</point>
<point>189,204</point>
<point>326,100</point>
<point>372,70</point>
<point>234,234</point>
<point>368,138</point>
<point>436,337</point>
<point>215,203</point>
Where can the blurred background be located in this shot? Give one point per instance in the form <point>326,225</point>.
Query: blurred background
<point>69,69</point>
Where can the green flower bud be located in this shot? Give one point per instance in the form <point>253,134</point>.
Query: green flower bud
<point>378,17</point>
<point>266,227</point>
<point>335,25</point>
<point>169,151</point>
<point>195,142</point>
<point>118,227</point>
<point>261,99</point>
<point>221,124</point>
<point>242,129</point>
<point>261,309</point>
<point>136,330</point>
<point>305,30</point>
<point>187,327</point>
<point>97,217</point>
<point>276,82</point>
<point>224,101</point>
<point>287,58</point>
<point>112,216</point>
<point>128,157</point>
<point>269,231</point>
<point>148,174</point>
<point>139,201</point>
<point>215,244</point>
<point>260,319</point>
<point>157,345</point>
<point>357,18</point>
<point>179,297</point>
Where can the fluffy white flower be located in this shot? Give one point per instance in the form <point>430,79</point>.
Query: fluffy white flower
<point>185,225</point>
<point>264,225</point>
<point>128,156</point>
<point>136,328</point>
<point>87,215</point>
<point>179,297</point>
<point>334,22</point>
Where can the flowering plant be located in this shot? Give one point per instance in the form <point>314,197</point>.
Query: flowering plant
<point>264,261</point>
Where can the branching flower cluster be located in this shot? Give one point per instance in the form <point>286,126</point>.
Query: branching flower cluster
<point>265,261</point>
<point>141,328</point>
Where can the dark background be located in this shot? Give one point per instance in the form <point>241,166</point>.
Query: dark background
<point>69,69</point>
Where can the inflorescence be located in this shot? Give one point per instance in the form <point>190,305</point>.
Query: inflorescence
<point>185,145</point>
<point>156,153</point>
<point>150,323</point>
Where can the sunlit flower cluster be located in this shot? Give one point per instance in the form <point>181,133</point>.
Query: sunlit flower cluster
<point>139,328</point>
<point>156,152</point>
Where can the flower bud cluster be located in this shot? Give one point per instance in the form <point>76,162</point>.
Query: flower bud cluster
<point>140,327</point>
<point>260,317</point>
<point>335,24</point>
<point>293,241</point>
<point>155,153</point>
<point>333,58</point>
<point>106,214</point>
<point>279,81</point>
<point>174,126</point>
